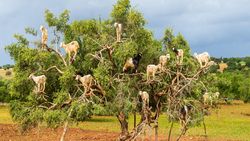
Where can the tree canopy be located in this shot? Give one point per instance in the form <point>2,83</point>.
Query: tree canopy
<point>114,92</point>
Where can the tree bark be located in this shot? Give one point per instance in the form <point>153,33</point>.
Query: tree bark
<point>124,127</point>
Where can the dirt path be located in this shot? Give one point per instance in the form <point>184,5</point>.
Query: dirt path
<point>10,132</point>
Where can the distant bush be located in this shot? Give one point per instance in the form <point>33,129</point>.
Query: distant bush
<point>4,93</point>
<point>8,73</point>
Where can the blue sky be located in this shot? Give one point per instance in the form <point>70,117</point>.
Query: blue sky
<point>221,27</point>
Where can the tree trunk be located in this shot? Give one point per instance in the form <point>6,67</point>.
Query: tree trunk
<point>170,130</point>
<point>134,119</point>
<point>156,131</point>
<point>124,127</point>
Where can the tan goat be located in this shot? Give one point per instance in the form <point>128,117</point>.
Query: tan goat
<point>118,28</point>
<point>86,81</point>
<point>151,71</point>
<point>71,47</point>
<point>163,59</point>
<point>44,39</point>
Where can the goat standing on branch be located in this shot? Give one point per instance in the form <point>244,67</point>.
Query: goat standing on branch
<point>118,28</point>
<point>44,36</point>
<point>163,59</point>
<point>86,81</point>
<point>151,71</point>
<point>132,63</point>
<point>71,47</point>
<point>202,58</point>
<point>40,82</point>
<point>179,55</point>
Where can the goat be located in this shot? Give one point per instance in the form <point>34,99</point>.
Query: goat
<point>184,115</point>
<point>163,59</point>
<point>132,63</point>
<point>40,82</point>
<point>210,97</point>
<point>151,70</point>
<point>118,28</point>
<point>71,47</point>
<point>222,66</point>
<point>145,97</point>
<point>202,58</point>
<point>179,55</point>
<point>86,81</point>
<point>44,36</point>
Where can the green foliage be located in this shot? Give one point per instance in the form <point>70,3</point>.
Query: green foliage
<point>120,11</point>
<point>81,111</point>
<point>31,31</point>
<point>55,118</point>
<point>4,94</point>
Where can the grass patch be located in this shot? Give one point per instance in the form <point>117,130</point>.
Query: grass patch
<point>3,74</point>
<point>5,115</point>
<point>227,122</point>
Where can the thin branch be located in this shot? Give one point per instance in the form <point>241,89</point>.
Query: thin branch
<point>61,72</point>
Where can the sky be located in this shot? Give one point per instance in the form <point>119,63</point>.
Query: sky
<point>220,27</point>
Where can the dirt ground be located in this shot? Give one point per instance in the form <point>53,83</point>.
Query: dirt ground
<point>10,132</point>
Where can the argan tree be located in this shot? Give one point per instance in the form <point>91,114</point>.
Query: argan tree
<point>112,92</point>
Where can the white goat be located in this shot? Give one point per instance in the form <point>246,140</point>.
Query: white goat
<point>86,81</point>
<point>202,58</point>
<point>118,28</point>
<point>40,82</point>
<point>179,55</point>
<point>151,70</point>
<point>163,59</point>
<point>44,36</point>
<point>210,97</point>
<point>145,97</point>
<point>71,47</point>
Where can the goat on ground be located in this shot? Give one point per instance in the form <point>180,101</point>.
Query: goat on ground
<point>210,97</point>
